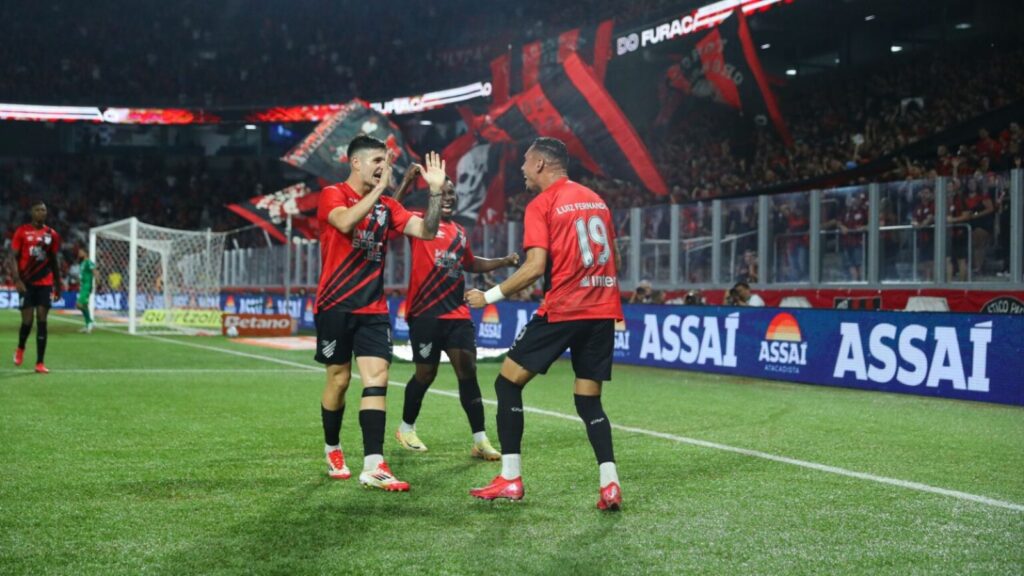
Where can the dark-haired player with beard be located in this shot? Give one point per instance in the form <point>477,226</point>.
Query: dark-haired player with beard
<point>569,240</point>
<point>351,313</point>
<point>36,271</point>
<point>439,320</point>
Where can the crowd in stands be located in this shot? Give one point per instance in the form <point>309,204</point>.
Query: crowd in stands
<point>191,53</point>
<point>85,191</point>
<point>842,121</point>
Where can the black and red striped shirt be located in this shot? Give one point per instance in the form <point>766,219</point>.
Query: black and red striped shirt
<point>437,284</point>
<point>36,248</point>
<point>352,271</point>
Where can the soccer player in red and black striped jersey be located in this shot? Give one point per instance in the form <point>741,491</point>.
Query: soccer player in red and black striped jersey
<point>439,320</point>
<point>36,270</point>
<point>569,240</point>
<point>351,314</point>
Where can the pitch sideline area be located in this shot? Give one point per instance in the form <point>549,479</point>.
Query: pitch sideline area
<point>161,431</point>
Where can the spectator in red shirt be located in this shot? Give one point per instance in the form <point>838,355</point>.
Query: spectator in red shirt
<point>987,146</point>
<point>956,216</point>
<point>852,224</point>
<point>980,209</point>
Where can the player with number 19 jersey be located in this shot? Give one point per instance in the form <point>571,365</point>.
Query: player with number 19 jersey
<point>574,225</point>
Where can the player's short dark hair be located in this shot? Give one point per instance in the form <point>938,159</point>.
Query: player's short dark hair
<point>741,285</point>
<point>364,142</point>
<point>552,149</point>
<point>36,203</point>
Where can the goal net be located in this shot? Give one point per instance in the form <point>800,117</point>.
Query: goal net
<point>154,279</point>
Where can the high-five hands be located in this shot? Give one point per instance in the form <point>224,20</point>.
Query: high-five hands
<point>434,172</point>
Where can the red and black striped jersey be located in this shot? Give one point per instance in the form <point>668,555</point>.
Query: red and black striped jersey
<point>37,248</point>
<point>351,276</point>
<point>437,285</point>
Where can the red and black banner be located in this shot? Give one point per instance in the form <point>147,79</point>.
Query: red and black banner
<point>723,65</point>
<point>521,69</point>
<point>323,152</point>
<point>270,212</point>
<point>571,104</point>
<point>479,172</point>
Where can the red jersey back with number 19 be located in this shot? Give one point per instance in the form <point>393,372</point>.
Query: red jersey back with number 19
<point>574,225</point>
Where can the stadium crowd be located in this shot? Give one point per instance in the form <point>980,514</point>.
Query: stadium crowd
<point>264,52</point>
<point>840,120</point>
<point>85,191</point>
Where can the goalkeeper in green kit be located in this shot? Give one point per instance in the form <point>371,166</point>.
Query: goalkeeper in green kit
<point>85,271</point>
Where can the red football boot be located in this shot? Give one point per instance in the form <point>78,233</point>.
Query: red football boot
<point>611,498</point>
<point>500,488</point>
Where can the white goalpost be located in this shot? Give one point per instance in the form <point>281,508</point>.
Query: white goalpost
<point>156,279</point>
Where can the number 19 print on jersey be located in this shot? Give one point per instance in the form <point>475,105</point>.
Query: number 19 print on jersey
<point>574,225</point>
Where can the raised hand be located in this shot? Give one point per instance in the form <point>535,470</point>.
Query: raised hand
<point>385,175</point>
<point>413,171</point>
<point>435,172</point>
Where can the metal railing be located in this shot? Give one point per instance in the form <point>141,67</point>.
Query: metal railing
<point>647,254</point>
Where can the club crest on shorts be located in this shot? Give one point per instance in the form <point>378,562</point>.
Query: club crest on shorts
<point>425,349</point>
<point>327,347</point>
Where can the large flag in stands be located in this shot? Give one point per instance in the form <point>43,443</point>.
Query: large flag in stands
<point>270,212</point>
<point>723,65</point>
<point>570,102</point>
<point>323,152</point>
<point>479,171</point>
<point>521,69</point>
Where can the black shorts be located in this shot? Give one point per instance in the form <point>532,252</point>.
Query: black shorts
<point>339,334</point>
<point>591,342</point>
<point>35,296</point>
<point>429,336</point>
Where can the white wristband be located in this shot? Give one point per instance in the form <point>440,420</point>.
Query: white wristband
<point>494,294</point>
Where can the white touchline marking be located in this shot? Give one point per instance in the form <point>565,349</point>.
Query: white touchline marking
<point>665,436</point>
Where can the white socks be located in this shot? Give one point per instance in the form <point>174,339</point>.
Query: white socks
<point>510,466</point>
<point>328,448</point>
<point>608,474</point>
<point>403,427</point>
<point>371,461</point>
<point>479,437</point>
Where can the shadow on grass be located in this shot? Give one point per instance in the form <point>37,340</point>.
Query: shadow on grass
<point>19,373</point>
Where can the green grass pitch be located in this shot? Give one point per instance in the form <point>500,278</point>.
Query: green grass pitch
<point>170,456</point>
